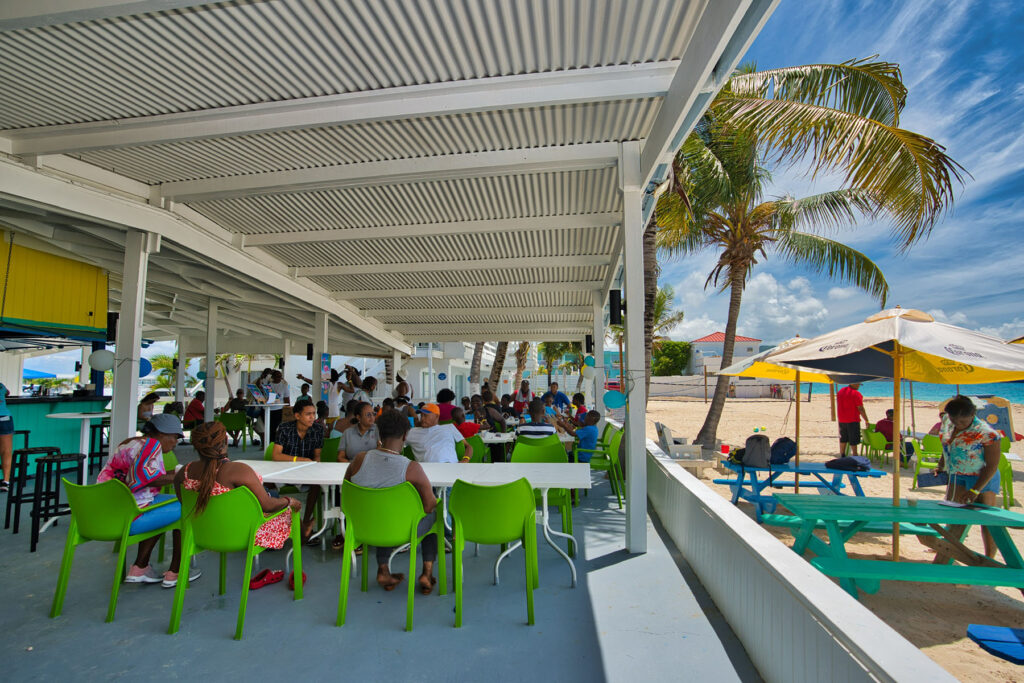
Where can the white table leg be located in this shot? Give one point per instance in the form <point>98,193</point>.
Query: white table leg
<point>83,444</point>
<point>266,426</point>
<point>548,531</point>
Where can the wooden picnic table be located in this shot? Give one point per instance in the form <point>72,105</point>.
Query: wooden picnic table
<point>845,516</point>
<point>753,480</point>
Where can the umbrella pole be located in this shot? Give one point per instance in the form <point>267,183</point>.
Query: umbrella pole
<point>897,379</point>
<point>796,478</point>
<point>913,416</point>
<point>832,400</point>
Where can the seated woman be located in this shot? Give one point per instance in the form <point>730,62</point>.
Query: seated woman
<point>214,474</point>
<point>972,456</point>
<point>147,404</point>
<point>138,462</point>
<point>385,466</point>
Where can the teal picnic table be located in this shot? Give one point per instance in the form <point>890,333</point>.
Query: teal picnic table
<point>843,517</point>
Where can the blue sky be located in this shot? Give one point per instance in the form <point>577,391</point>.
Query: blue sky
<point>960,60</point>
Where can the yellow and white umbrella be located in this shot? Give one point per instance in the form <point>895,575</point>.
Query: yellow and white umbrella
<point>904,343</point>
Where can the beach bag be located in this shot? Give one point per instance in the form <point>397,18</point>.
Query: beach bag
<point>783,450</point>
<point>850,463</point>
<point>736,456</point>
<point>758,452</point>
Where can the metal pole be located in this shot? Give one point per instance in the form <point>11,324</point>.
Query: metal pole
<point>796,478</point>
<point>705,384</point>
<point>897,373</point>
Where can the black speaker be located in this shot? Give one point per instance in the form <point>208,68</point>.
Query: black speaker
<point>78,366</point>
<point>590,343</point>
<point>280,363</point>
<point>174,363</point>
<point>615,306</point>
<point>112,317</point>
<point>309,352</point>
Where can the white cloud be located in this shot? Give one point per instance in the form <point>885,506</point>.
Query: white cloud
<point>774,310</point>
<point>956,318</point>
<point>696,327</point>
<point>842,293</point>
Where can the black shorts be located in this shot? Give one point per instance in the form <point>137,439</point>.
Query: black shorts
<point>849,432</point>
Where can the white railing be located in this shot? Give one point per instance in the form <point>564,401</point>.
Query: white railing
<point>795,623</point>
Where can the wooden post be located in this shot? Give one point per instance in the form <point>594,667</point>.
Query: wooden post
<point>897,372</point>
<point>796,478</point>
<point>832,400</point>
<point>705,384</point>
<point>913,417</point>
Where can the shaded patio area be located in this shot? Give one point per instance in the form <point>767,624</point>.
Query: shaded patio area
<point>631,617</point>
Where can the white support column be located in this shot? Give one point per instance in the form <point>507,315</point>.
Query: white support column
<point>636,424</point>
<point>83,372</point>
<point>431,394</point>
<point>599,352</point>
<point>319,348</point>
<point>179,375</point>
<point>210,383</point>
<point>137,248</point>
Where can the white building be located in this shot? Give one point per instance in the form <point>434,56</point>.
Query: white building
<point>707,351</point>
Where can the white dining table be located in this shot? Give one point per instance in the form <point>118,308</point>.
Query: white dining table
<point>267,407</point>
<point>542,476</point>
<point>83,437</point>
<point>509,437</point>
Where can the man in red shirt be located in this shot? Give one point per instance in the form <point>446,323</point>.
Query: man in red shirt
<point>467,429</point>
<point>849,411</point>
<point>884,427</point>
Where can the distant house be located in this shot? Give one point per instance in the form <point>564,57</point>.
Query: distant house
<point>707,351</point>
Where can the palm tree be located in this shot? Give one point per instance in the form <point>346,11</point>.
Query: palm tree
<point>837,118</point>
<point>522,356</point>
<point>499,364</point>
<point>474,366</point>
<point>553,352</point>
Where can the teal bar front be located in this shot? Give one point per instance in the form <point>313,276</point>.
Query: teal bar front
<point>30,414</point>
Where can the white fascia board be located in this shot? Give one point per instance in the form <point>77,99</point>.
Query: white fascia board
<point>391,312</point>
<point>451,291</point>
<point>468,264</point>
<point>607,83</point>
<point>502,225</point>
<point>23,184</point>
<point>424,169</point>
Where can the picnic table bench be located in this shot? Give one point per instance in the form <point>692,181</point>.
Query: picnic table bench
<point>753,480</point>
<point>843,517</point>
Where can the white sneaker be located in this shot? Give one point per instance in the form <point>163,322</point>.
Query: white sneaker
<point>137,575</point>
<point>170,579</point>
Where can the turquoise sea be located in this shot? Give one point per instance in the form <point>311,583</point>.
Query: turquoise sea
<point>1011,391</point>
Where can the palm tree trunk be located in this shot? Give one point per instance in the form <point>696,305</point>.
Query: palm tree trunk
<point>474,366</point>
<point>708,432</point>
<point>522,355</point>
<point>651,272</point>
<point>498,366</point>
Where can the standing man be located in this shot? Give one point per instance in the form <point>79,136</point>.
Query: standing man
<point>432,442</point>
<point>560,400</point>
<point>850,411</point>
<point>280,387</point>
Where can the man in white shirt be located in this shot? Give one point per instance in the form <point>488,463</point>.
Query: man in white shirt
<point>431,442</point>
<point>279,387</point>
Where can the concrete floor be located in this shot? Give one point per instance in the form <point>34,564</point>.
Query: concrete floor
<point>631,617</point>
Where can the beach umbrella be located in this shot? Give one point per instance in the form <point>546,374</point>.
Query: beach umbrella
<point>36,374</point>
<point>909,344</point>
<point>757,366</point>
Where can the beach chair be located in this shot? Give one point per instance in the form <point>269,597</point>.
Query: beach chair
<point>928,451</point>
<point>1006,480</point>
<point>673,447</point>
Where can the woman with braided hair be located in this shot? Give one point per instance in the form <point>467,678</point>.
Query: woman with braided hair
<point>214,474</point>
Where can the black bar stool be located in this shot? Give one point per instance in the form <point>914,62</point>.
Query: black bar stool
<point>19,477</point>
<point>46,503</point>
<point>98,450</point>
<point>24,433</point>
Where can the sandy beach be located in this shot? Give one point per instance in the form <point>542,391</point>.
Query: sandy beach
<point>932,616</point>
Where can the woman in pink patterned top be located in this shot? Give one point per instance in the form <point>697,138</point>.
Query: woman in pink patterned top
<point>214,474</point>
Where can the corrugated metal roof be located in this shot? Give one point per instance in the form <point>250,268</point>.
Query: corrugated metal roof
<point>246,52</point>
<point>381,141</point>
<point>483,278</point>
<point>486,297</point>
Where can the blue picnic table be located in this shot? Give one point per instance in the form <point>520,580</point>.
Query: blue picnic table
<point>753,480</point>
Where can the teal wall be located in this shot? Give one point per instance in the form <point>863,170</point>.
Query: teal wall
<point>64,434</point>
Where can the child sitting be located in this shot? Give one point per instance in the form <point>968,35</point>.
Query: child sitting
<point>587,434</point>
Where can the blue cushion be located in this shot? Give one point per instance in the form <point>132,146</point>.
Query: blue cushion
<point>1001,641</point>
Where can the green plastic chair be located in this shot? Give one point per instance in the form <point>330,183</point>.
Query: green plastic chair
<point>560,498</point>
<point>493,515</point>
<point>928,451</point>
<point>481,453</point>
<point>385,518</point>
<point>407,452</point>
<point>329,451</point>
<point>102,512</point>
<point>1004,444</point>
<point>268,452</point>
<point>227,525</point>
<point>607,433</point>
<point>541,441</point>
<point>1006,480</point>
<point>607,460</point>
<point>235,422</point>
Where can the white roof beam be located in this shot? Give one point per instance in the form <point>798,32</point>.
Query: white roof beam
<point>446,167</point>
<point>16,14</point>
<point>473,264</point>
<point>504,225</point>
<point>500,335</point>
<point>509,328</point>
<point>597,84</point>
<point>393,312</point>
<point>450,291</point>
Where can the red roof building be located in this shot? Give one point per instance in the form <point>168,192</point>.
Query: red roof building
<point>720,337</point>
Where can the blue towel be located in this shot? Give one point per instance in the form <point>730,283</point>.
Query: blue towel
<point>1001,641</point>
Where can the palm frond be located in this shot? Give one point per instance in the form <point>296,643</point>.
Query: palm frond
<point>861,87</point>
<point>826,211</point>
<point>835,259</point>
<point>910,175</point>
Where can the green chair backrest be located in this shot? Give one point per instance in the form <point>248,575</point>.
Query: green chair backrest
<point>229,522</point>
<point>329,451</point>
<point>1006,480</point>
<point>493,514</point>
<point>877,441</point>
<point>170,461</point>
<point>233,422</point>
<point>268,452</point>
<point>606,433</point>
<point>101,510</point>
<point>444,422</point>
<point>407,452</point>
<point>1004,444</point>
<point>931,443</point>
<point>382,517</point>
<point>542,441</point>
<point>479,448</point>
<point>540,453</point>
<point>615,445</point>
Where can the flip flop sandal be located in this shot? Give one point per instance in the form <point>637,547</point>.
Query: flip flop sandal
<point>291,580</point>
<point>265,578</point>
